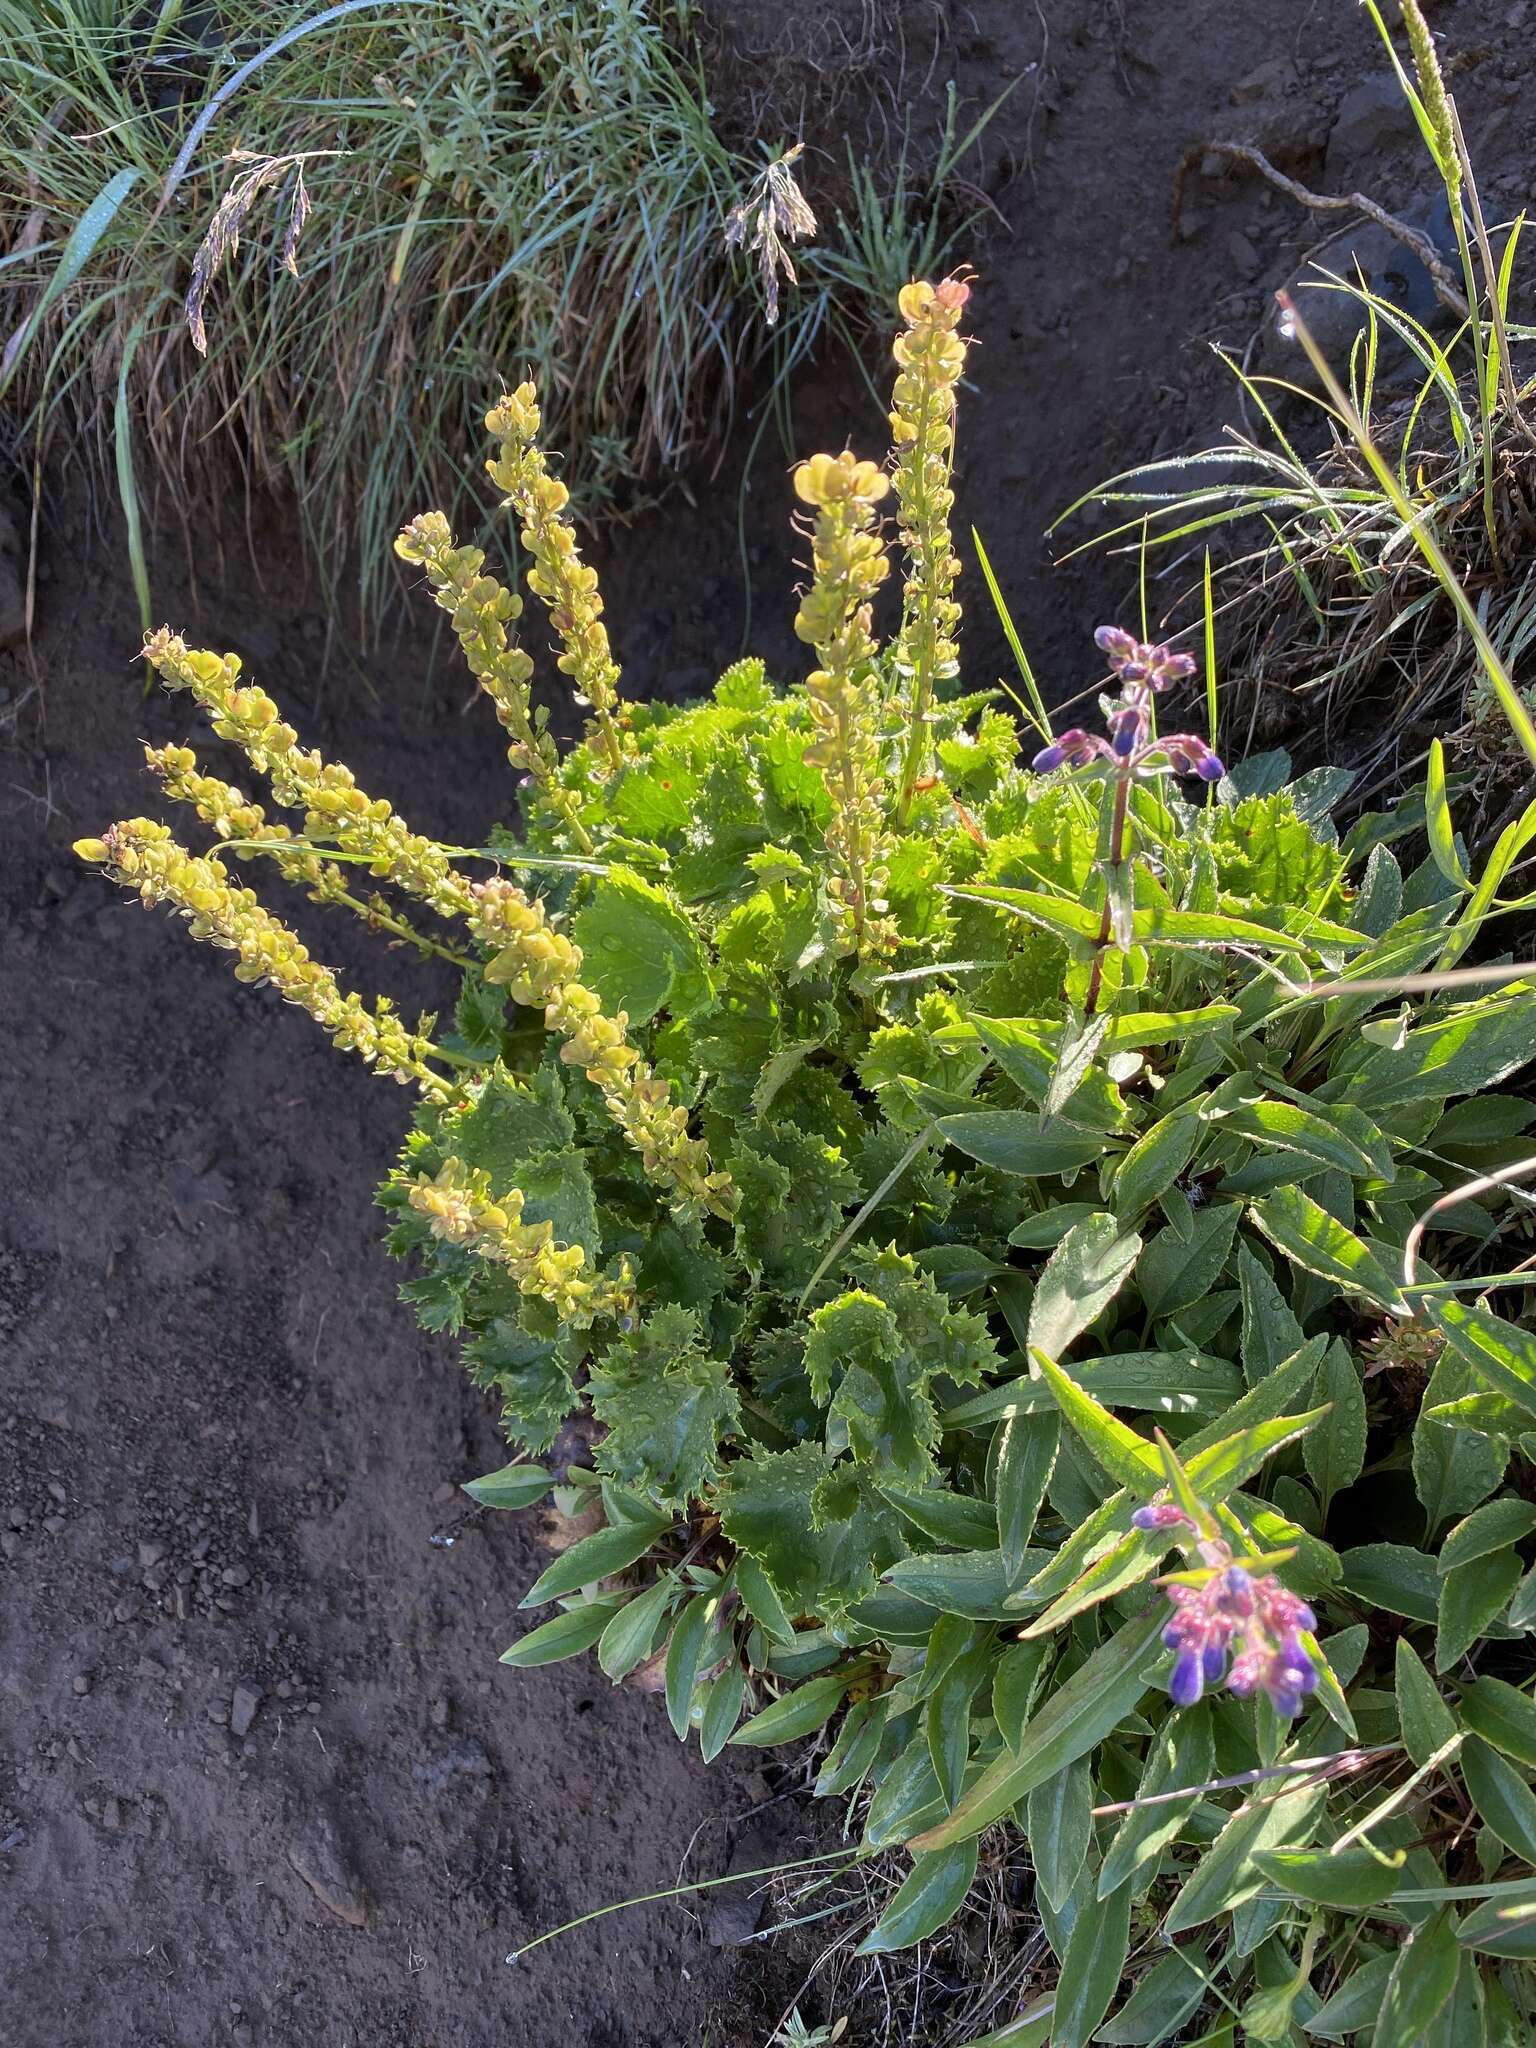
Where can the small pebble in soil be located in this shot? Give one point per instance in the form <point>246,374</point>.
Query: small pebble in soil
<point>235,1575</point>
<point>81,1682</point>
<point>243,1705</point>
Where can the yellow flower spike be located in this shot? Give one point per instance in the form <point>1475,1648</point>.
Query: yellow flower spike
<point>141,854</point>
<point>567,585</point>
<point>482,610</point>
<point>848,567</point>
<point>461,1210</point>
<point>334,807</point>
<point>930,358</point>
<point>539,967</point>
<point>227,812</point>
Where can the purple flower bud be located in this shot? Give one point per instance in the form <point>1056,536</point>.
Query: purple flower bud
<point>1187,1681</point>
<point>1190,756</point>
<point>1214,1663</point>
<point>1115,642</point>
<point>1049,758</point>
<point>1168,667</point>
<point>1160,1514</point>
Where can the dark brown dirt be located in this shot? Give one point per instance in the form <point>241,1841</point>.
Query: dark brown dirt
<point>224,1450</point>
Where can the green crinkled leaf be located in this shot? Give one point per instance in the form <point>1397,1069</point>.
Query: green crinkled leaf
<point>821,1535</point>
<point>529,1375</point>
<point>640,950</point>
<point>856,1359</point>
<point>1266,856</point>
<point>507,1124</point>
<point>794,1189</point>
<point>665,1404</point>
<point>557,1190</point>
<point>948,1341</point>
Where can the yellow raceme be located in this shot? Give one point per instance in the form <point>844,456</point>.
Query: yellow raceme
<point>930,360</point>
<point>848,566</point>
<point>460,1209</point>
<point>567,585</point>
<point>142,855</point>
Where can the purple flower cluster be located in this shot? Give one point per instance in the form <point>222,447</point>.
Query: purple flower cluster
<point>1235,1613</point>
<point>1141,669</point>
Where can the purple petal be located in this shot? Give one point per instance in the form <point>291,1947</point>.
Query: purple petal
<point>1114,641</point>
<point>1049,758</point>
<point>1186,1681</point>
<point>1210,769</point>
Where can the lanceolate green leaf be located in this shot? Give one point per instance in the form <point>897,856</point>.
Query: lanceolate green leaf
<point>1437,813</point>
<point>1502,1354</point>
<point>514,1486</point>
<point>1176,1382</point>
<point>1487,1529</point>
<point>1082,1276</point>
<point>1335,1455</point>
<point>1426,1720</point>
<point>1422,1980</point>
<point>1123,1454</point>
<point>1304,1131</point>
<point>1026,1456</point>
<point>798,1713</point>
<point>1091,1969</point>
<point>1181,1753</point>
<point>566,1635</point>
<point>1501,1795</point>
<point>1504,1925</point>
<point>1227,1875</point>
<point>1471,1597</point>
<point>1355,1878</point>
<point>930,1896</point>
<point>595,1558</point>
<point>1502,1715</point>
<point>1017,1142</point>
<point>1319,1243</point>
<point>1073,1719</point>
<point>1058,1825</point>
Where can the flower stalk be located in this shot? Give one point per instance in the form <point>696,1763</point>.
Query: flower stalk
<point>848,567</point>
<point>326,791</point>
<point>1237,1610</point>
<point>244,825</point>
<point>930,356</point>
<point>461,1210</point>
<point>141,854</point>
<point>1132,750</point>
<point>559,576</point>
<point>540,968</point>
<point>481,611</point>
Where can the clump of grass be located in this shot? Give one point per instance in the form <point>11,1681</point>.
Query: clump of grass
<point>1341,635</point>
<point>496,185</point>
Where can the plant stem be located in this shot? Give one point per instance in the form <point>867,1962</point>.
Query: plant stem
<point>1112,872</point>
